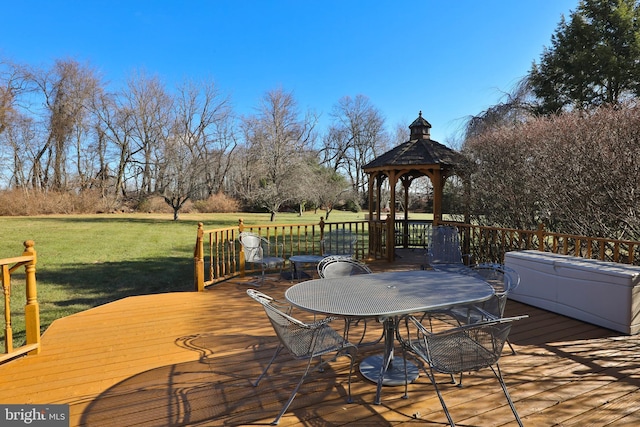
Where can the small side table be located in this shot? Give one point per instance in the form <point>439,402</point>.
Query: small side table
<point>298,261</point>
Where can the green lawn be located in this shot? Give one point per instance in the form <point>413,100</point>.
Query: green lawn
<point>89,260</point>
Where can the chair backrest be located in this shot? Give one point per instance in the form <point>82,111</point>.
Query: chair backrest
<point>445,246</point>
<point>514,277</point>
<point>253,246</point>
<point>294,335</point>
<point>340,266</point>
<point>338,242</point>
<point>503,279</point>
<point>466,348</point>
<point>495,275</point>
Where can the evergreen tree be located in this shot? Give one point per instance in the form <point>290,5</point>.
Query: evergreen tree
<point>594,58</point>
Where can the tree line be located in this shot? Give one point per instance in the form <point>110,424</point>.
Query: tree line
<point>63,130</point>
<point>561,148</point>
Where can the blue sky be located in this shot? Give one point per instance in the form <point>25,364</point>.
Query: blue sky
<point>450,59</point>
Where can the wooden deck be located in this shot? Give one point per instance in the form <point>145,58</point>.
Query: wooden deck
<point>188,359</point>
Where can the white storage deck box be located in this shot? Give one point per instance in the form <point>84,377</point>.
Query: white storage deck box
<point>603,293</point>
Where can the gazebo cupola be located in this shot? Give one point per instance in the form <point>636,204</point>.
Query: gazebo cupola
<point>420,128</point>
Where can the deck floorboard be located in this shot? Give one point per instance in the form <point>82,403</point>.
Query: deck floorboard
<point>189,359</point>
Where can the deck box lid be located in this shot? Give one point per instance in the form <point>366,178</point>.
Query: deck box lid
<point>600,271</point>
<point>533,255</point>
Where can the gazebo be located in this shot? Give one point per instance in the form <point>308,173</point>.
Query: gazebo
<point>420,156</point>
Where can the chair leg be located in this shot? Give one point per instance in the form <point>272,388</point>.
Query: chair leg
<point>513,351</point>
<point>498,375</point>
<point>257,283</point>
<point>459,382</point>
<point>293,394</point>
<point>277,352</point>
<point>348,353</point>
<point>435,385</point>
<point>349,322</point>
<point>352,359</point>
<point>406,374</point>
<point>262,279</point>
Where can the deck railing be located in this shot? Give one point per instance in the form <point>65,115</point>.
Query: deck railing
<point>218,255</point>
<point>31,310</point>
<point>489,244</point>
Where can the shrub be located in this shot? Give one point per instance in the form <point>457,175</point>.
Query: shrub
<point>217,203</point>
<point>154,204</point>
<point>18,202</point>
<point>576,172</point>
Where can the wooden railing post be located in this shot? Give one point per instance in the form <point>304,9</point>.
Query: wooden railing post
<point>32,309</point>
<point>241,254</point>
<point>8,330</point>
<point>321,235</point>
<point>466,243</point>
<point>541,237</point>
<point>198,260</point>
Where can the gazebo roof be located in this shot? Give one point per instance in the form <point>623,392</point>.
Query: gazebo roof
<point>419,150</point>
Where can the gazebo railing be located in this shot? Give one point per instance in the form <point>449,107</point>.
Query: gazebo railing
<point>412,233</point>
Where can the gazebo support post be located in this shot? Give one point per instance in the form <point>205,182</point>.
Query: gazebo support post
<point>437,196</point>
<point>372,228</point>
<point>406,183</point>
<point>391,229</point>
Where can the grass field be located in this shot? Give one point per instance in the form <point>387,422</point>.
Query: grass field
<point>89,260</point>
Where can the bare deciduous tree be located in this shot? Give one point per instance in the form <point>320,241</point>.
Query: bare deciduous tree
<point>12,86</point>
<point>67,90</point>
<point>149,109</point>
<point>199,147</point>
<point>19,135</point>
<point>277,140</point>
<point>355,137</point>
<point>114,132</point>
<point>331,188</point>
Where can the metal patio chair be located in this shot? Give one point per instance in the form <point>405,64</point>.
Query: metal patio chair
<point>341,266</point>
<point>338,242</point>
<point>465,348</point>
<point>304,341</point>
<point>258,250</point>
<point>503,279</point>
<point>444,252</point>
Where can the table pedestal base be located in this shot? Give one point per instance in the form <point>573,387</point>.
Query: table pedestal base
<point>394,376</point>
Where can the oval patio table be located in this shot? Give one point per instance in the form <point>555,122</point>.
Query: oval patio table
<point>386,296</point>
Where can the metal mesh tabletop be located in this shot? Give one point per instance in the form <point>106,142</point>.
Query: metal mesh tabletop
<point>387,294</point>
